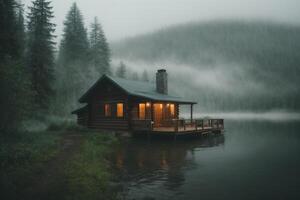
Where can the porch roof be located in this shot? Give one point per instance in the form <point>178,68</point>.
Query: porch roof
<point>138,88</point>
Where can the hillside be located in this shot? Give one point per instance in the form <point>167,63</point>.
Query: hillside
<point>229,65</point>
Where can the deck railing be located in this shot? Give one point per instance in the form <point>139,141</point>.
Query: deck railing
<point>178,124</point>
<point>142,124</point>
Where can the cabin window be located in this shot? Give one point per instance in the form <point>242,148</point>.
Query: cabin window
<point>120,111</point>
<point>107,110</point>
<point>172,110</point>
<point>142,111</point>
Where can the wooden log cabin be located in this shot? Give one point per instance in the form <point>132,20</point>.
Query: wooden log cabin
<point>139,107</point>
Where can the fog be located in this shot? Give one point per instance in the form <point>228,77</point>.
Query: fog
<point>123,18</point>
<point>229,56</point>
<point>275,116</point>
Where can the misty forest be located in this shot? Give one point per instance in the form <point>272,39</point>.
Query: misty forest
<point>224,65</point>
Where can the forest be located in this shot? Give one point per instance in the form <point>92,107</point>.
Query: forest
<point>40,79</point>
<point>40,82</point>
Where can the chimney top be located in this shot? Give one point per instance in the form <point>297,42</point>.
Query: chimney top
<point>161,70</point>
<point>162,81</point>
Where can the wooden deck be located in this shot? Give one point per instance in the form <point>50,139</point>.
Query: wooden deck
<point>179,128</point>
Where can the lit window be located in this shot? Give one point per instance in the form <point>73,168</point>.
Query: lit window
<point>120,111</point>
<point>172,110</point>
<point>142,111</point>
<point>107,110</point>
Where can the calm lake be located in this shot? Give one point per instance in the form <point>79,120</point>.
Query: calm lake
<point>252,160</point>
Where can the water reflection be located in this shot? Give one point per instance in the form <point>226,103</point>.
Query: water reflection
<point>148,164</point>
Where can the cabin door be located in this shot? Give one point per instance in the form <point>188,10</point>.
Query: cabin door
<point>158,114</point>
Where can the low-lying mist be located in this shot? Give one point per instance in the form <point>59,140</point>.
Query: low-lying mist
<point>279,115</point>
<point>224,65</point>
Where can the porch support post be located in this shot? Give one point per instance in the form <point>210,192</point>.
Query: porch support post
<point>151,112</point>
<point>192,113</point>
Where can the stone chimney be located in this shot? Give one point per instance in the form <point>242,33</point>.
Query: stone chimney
<point>162,81</point>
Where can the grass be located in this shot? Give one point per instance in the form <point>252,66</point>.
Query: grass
<point>88,171</point>
<point>66,125</point>
<point>21,157</point>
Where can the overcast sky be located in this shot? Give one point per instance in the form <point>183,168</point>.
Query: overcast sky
<point>123,18</point>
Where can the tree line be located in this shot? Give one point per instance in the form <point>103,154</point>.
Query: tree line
<point>36,80</point>
<point>122,71</point>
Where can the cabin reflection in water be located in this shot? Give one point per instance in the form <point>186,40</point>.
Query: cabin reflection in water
<point>149,162</point>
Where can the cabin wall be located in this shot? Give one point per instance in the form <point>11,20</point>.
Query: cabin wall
<point>98,120</point>
<point>82,118</point>
<point>111,95</point>
<point>151,113</point>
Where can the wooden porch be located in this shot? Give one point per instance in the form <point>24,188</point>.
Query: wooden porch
<point>178,127</point>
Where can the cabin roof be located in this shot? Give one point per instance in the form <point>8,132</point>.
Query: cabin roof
<point>79,110</point>
<point>137,88</point>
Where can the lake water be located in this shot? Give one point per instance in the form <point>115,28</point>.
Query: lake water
<point>252,160</point>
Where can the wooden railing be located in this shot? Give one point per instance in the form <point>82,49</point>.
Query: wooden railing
<point>198,124</point>
<point>209,123</point>
<point>142,124</point>
<point>178,124</point>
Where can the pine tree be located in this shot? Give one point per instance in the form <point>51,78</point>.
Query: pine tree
<point>20,30</point>
<point>8,39</point>
<point>121,70</point>
<point>40,53</point>
<point>14,83</point>
<point>99,49</point>
<point>73,68</point>
<point>145,76</point>
<point>135,76</point>
<point>74,44</point>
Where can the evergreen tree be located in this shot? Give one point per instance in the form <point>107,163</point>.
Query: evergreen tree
<point>145,76</point>
<point>121,70</point>
<point>20,30</point>
<point>40,53</point>
<point>9,44</point>
<point>73,69</point>
<point>74,44</point>
<point>14,82</point>
<point>135,76</point>
<point>99,49</point>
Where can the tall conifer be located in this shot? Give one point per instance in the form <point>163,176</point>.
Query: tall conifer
<point>74,44</point>
<point>121,70</point>
<point>99,49</point>
<point>73,62</point>
<point>14,83</point>
<point>40,53</point>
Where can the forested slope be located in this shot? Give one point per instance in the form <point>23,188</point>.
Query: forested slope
<point>227,65</point>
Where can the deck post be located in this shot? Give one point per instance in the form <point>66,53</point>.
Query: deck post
<point>191,113</point>
<point>151,115</point>
<point>176,125</point>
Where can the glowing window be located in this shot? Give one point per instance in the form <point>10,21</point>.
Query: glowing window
<point>120,111</point>
<point>142,111</point>
<point>107,110</point>
<point>172,110</point>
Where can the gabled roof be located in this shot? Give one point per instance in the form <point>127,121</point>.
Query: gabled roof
<point>137,88</point>
<point>79,110</point>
